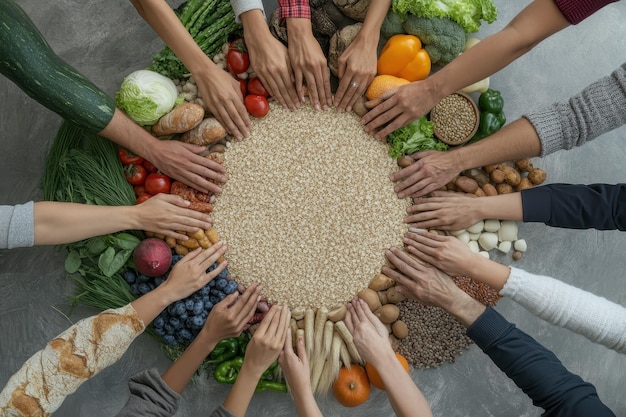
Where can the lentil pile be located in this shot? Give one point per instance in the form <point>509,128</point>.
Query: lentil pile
<point>435,337</point>
<point>454,119</point>
<point>308,209</point>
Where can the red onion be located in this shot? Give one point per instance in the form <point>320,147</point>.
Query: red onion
<point>152,257</point>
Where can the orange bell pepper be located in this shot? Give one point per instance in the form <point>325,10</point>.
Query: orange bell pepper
<point>404,57</point>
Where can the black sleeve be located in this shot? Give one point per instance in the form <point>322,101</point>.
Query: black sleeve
<point>535,369</point>
<point>595,206</point>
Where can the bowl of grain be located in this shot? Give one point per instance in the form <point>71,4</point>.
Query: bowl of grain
<point>455,119</point>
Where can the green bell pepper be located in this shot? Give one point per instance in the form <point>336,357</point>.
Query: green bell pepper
<point>226,349</point>
<point>226,372</point>
<point>492,118</point>
<point>242,341</point>
<point>271,385</point>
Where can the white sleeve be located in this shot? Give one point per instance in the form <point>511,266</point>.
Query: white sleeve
<point>596,318</point>
<point>17,226</point>
<point>242,6</point>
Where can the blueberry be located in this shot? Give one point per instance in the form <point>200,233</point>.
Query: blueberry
<point>231,287</point>
<point>143,288</point>
<point>211,283</point>
<point>206,300</point>
<point>152,285</point>
<point>214,299</point>
<point>160,280</point>
<point>130,276</point>
<point>134,289</point>
<point>159,331</point>
<point>158,322</point>
<point>205,290</point>
<point>220,295</point>
<point>179,308</point>
<point>169,329</point>
<point>176,258</point>
<point>196,296</point>
<point>183,316</point>
<point>189,304</point>
<point>204,314</point>
<point>184,335</point>
<point>143,278</point>
<point>174,322</point>
<point>197,321</point>
<point>170,339</point>
<point>198,307</point>
<point>221,283</point>
<point>223,274</point>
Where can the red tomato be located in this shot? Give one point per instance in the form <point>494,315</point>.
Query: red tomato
<point>256,87</point>
<point>256,105</point>
<point>127,157</point>
<point>149,166</point>
<point>140,189</point>
<point>158,183</point>
<point>143,197</point>
<point>135,174</point>
<point>243,85</point>
<point>237,59</point>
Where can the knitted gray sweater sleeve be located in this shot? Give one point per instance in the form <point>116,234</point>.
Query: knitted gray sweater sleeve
<point>242,6</point>
<point>17,226</point>
<point>150,396</point>
<point>599,108</point>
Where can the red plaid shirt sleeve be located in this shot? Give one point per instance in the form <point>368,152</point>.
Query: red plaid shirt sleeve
<point>294,8</point>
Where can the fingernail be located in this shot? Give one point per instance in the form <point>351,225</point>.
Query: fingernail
<point>186,202</point>
<point>349,109</point>
<point>317,106</point>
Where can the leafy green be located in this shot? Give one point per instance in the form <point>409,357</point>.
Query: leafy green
<point>414,137</point>
<point>467,13</point>
<point>146,96</point>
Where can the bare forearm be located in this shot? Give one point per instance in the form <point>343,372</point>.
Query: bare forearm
<point>179,374</point>
<point>501,207</point>
<point>374,19</point>
<point>536,22</point>
<point>240,395</point>
<point>254,26</point>
<point>487,271</point>
<point>305,403</point>
<point>515,141</point>
<point>405,398</point>
<point>150,305</point>
<point>58,223</point>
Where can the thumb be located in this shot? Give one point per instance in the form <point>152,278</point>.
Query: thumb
<point>301,349</point>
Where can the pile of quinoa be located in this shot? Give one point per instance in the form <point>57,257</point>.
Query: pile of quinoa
<point>308,210</point>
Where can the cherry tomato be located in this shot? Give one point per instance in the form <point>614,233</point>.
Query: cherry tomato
<point>256,105</point>
<point>149,166</point>
<point>127,157</point>
<point>143,197</point>
<point>158,183</point>
<point>140,189</point>
<point>237,59</point>
<point>243,85</point>
<point>256,87</point>
<point>135,174</point>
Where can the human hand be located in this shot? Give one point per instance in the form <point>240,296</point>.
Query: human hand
<point>269,59</point>
<point>370,335</point>
<point>421,282</point>
<point>221,94</point>
<point>189,274</point>
<point>182,162</point>
<point>446,253</point>
<point>168,214</point>
<point>444,211</point>
<point>308,63</point>
<point>295,366</point>
<point>268,340</point>
<point>356,69</point>
<point>430,171</point>
<point>398,108</point>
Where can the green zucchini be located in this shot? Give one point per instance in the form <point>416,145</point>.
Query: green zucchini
<point>28,61</point>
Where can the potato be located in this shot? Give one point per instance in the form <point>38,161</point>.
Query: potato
<point>489,168</point>
<point>370,297</point>
<point>478,175</point>
<point>451,186</point>
<point>171,242</point>
<point>480,193</point>
<point>490,190</point>
<point>537,176</point>
<point>394,296</point>
<point>400,329</point>
<point>466,184</point>
<point>388,313</point>
<point>524,184</point>
<point>504,188</point>
<point>219,148</point>
<point>381,282</point>
<point>382,296</point>
<point>511,176</point>
<point>212,235</point>
<point>524,165</point>
<point>189,243</point>
<point>497,176</point>
<point>405,161</point>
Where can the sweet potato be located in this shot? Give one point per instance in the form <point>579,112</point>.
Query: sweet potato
<point>206,133</point>
<point>181,119</point>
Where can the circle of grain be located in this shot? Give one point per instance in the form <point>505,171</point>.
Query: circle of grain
<point>308,209</point>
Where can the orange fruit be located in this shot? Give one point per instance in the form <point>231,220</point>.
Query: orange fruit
<point>374,376</point>
<point>351,387</point>
<point>383,83</point>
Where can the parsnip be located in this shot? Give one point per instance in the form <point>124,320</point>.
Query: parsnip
<point>347,338</point>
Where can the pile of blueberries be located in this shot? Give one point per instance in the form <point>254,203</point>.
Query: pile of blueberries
<point>181,321</point>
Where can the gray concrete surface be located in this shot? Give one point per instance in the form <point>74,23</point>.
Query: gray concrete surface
<point>107,40</point>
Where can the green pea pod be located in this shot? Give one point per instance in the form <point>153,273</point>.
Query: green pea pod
<point>271,385</point>
<point>491,101</point>
<point>226,349</point>
<point>226,372</point>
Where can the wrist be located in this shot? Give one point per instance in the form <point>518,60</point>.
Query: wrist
<point>465,309</point>
<point>255,27</point>
<point>298,28</point>
<point>250,371</point>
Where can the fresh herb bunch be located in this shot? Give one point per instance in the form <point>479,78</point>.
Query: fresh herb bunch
<point>415,137</point>
<point>209,22</point>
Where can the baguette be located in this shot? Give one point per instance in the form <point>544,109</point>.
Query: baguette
<point>181,119</point>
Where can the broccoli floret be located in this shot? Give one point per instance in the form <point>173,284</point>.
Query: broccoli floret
<point>392,25</point>
<point>443,38</point>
